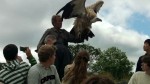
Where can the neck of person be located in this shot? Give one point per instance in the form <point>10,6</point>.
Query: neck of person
<point>148,52</point>
<point>46,64</point>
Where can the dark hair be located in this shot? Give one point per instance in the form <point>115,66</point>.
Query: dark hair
<point>146,59</point>
<point>99,80</point>
<point>147,41</point>
<point>45,52</point>
<point>10,52</point>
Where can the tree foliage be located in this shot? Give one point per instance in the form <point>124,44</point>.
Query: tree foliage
<point>112,60</point>
<point>94,52</point>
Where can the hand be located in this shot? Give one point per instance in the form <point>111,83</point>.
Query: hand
<point>19,58</point>
<point>28,52</point>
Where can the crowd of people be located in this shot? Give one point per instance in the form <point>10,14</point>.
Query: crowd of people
<point>56,63</point>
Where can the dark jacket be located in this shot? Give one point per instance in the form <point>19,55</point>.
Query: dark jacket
<point>63,58</point>
<point>62,36</point>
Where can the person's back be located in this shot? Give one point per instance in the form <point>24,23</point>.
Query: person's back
<point>77,73</point>
<point>63,58</point>
<point>14,71</point>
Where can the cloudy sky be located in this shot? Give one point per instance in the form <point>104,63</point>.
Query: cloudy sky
<point>125,24</point>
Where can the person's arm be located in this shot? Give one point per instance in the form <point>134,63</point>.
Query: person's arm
<point>57,80</point>
<point>72,38</point>
<point>41,42</point>
<point>138,67</point>
<point>30,57</point>
<point>33,76</point>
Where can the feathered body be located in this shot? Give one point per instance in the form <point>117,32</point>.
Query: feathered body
<point>85,16</point>
<point>82,25</point>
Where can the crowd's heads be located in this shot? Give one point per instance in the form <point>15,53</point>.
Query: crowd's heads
<point>99,80</point>
<point>50,39</point>
<point>45,52</point>
<point>10,52</point>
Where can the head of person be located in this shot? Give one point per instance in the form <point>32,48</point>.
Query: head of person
<point>10,52</point>
<point>46,53</point>
<point>82,58</point>
<point>57,21</point>
<point>146,46</point>
<point>99,80</point>
<point>50,39</point>
<point>146,63</point>
<point>79,71</point>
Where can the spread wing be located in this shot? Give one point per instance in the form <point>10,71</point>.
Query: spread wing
<point>74,8</point>
<point>96,6</point>
<point>82,26</point>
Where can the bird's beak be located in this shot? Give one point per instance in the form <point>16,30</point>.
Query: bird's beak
<point>98,19</point>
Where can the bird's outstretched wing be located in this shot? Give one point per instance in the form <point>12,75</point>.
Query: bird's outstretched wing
<point>96,6</point>
<point>74,8</point>
<point>82,26</point>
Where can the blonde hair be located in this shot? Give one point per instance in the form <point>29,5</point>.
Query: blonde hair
<point>79,72</point>
<point>45,52</point>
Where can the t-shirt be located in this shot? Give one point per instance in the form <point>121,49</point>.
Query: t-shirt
<point>40,75</point>
<point>140,78</point>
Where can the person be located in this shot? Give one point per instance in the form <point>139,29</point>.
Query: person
<point>146,48</point>
<point>78,72</point>
<point>30,57</point>
<point>44,72</point>
<point>62,36</point>
<point>96,79</point>
<point>63,55</point>
<point>14,71</point>
<point>142,77</point>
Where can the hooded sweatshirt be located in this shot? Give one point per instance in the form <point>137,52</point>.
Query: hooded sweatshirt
<point>14,72</point>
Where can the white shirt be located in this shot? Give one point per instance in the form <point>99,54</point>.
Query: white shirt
<point>139,78</point>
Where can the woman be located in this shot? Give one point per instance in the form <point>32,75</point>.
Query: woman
<point>78,71</point>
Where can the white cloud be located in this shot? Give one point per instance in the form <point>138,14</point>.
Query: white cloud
<point>24,22</point>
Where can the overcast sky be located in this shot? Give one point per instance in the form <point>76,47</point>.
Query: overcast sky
<point>125,24</point>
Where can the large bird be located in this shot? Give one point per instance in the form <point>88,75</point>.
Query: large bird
<point>85,16</point>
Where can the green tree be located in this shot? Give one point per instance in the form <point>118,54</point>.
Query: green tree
<point>113,61</point>
<point>94,52</point>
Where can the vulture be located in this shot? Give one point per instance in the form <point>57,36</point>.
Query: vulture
<point>84,17</point>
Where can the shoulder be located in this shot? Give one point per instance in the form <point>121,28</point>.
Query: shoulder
<point>139,73</point>
<point>63,30</point>
<point>24,65</point>
<point>34,69</point>
<point>52,67</point>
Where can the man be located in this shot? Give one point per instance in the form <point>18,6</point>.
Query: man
<point>14,71</point>
<point>44,72</point>
<point>63,55</point>
<point>62,36</point>
<point>146,48</point>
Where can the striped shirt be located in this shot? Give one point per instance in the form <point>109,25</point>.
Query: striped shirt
<point>14,72</point>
